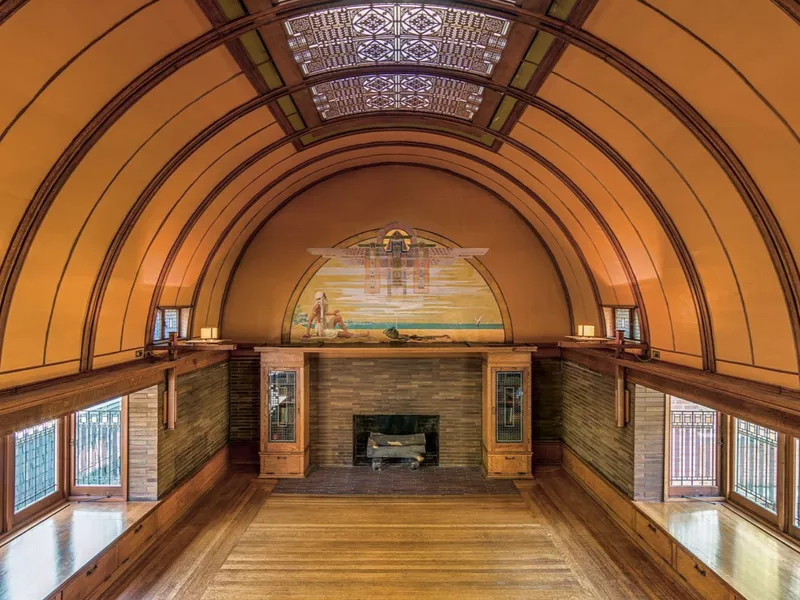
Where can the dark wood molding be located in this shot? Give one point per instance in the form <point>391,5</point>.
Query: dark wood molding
<point>27,405</point>
<point>790,7</point>
<point>9,7</point>
<point>693,279</point>
<point>285,202</point>
<point>765,219</point>
<point>772,406</point>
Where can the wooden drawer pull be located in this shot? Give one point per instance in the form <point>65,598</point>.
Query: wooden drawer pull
<point>509,458</point>
<point>92,570</point>
<point>699,570</point>
<point>652,528</point>
<point>138,528</point>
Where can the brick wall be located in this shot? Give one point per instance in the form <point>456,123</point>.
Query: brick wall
<point>589,425</point>
<point>649,408</point>
<point>448,387</point>
<point>202,426</point>
<point>245,377</point>
<point>546,399</point>
<point>143,424</point>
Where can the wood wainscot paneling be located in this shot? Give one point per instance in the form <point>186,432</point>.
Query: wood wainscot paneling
<point>677,560</point>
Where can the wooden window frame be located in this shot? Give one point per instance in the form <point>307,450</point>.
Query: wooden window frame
<point>12,520</point>
<point>162,337</point>
<point>81,492</point>
<point>632,309</point>
<point>707,493</point>
<point>790,494</point>
<point>776,519</point>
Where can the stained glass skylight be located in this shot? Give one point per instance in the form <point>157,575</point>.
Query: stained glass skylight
<point>370,93</point>
<point>443,36</point>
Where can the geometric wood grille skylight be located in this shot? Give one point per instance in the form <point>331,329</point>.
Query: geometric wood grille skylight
<point>443,36</point>
<point>370,93</point>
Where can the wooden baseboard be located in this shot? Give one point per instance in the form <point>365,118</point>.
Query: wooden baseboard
<point>546,452</point>
<point>653,539</point>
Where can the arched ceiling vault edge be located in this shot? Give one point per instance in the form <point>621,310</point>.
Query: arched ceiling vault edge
<point>259,155</point>
<point>257,196</point>
<point>328,177</point>
<point>762,214</point>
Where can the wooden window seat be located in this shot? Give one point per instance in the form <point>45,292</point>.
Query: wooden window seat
<point>714,550</point>
<point>71,554</point>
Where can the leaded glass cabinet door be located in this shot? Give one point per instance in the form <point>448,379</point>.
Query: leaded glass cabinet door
<point>508,407</point>
<point>282,409</point>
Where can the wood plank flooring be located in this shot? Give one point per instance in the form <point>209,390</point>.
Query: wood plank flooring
<point>551,542</point>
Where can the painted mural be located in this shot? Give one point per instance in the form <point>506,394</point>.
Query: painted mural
<point>397,287</point>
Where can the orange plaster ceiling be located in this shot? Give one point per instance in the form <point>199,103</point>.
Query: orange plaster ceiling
<point>621,152</point>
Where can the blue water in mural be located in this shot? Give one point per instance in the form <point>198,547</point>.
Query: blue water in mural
<point>401,326</point>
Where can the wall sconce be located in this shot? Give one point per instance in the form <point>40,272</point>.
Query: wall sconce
<point>208,333</point>
<point>586,330</point>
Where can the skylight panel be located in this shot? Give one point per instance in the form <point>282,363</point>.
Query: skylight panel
<point>371,93</point>
<point>442,36</point>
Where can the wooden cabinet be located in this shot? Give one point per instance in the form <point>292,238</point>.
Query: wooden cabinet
<point>137,537</point>
<point>659,541</point>
<point>284,450</point>
<point>507,448</point>
<point>88,580</point>
<point>701,577</point>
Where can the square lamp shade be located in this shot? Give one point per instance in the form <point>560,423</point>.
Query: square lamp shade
<point>586,330</point>
<point>208,333</point>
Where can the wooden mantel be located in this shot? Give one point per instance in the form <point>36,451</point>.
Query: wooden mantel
<point>398,349</point>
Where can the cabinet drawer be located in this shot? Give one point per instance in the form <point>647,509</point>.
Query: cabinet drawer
<point>136,538</point>
<point>655,537</point>
<point>88,580</point>
<point>282,464</point>
<point>509,464</point>
<point>701,577</point>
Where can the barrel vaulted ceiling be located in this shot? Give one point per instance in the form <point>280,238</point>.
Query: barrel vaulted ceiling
<point>651,145</point>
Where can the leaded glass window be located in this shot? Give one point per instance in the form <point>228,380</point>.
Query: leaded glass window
<point>98,445</point>
<point>171,320</point>
<point>282,406</point>
<point>444,36</point>
<point>693,448</point>
<point>509,394</point>
<point>370,93</point>
<point>35,464</point>
<point>756,464</point>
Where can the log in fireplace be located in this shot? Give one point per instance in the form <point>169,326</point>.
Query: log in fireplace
<point>363,425</point>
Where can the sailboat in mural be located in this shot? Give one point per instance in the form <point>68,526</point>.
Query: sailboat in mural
<point>397,261</point>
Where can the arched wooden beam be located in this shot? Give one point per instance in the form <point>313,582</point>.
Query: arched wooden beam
<point>321,180</point>
<point>9,271</point>
<point>299,168</point>
<point>110,258</point>
<point>622,257</point>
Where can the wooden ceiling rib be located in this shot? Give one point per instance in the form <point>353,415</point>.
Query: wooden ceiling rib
<point>117,203</point>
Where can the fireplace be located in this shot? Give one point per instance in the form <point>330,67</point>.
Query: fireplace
<point>363,425</point>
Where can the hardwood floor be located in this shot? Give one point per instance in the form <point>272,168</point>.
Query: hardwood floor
<point>549,542</point>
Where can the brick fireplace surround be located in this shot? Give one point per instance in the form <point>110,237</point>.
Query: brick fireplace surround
<point>449,387</point>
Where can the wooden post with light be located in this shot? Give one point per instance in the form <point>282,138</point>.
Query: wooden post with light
<point>507,444</point>
<point>285,445</point>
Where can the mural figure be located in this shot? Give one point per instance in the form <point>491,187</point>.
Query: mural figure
<point>398,288</point>
<point>324,322</point>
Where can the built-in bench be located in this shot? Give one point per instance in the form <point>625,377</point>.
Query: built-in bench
<point>78,551</point>
<point>717,552</point>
